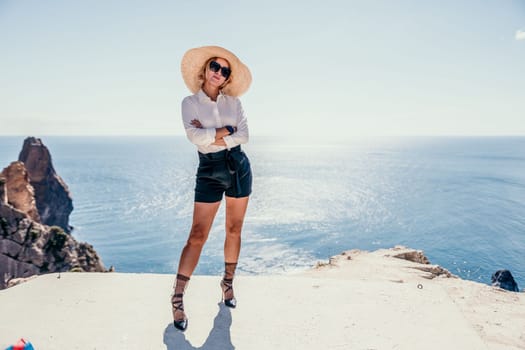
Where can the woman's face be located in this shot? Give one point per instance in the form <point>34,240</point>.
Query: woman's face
<point>217,78</point>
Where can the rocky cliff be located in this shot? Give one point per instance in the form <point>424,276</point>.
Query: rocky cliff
<point>19,192</point>
<point>52,196</point>
<point>28,245</point>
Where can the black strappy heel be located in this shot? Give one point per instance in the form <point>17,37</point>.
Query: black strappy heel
<point>178,305</point>
<point>227,285</point>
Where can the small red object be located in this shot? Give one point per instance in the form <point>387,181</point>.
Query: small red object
<point>20,345</point>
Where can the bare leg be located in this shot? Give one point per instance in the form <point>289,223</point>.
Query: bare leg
<point>203,215</point>
<point>235,212</point>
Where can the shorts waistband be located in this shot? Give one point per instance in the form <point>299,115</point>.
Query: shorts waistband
<point>221,155</point>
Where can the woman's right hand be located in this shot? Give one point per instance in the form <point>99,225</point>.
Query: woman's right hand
<point>196,123</point>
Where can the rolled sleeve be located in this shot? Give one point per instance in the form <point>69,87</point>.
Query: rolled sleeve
<point>197,136</point>
<point>242,134</point>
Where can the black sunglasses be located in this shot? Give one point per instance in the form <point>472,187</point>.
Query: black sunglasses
<point>225,71</point>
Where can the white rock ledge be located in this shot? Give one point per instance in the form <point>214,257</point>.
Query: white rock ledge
<point>359,300</point>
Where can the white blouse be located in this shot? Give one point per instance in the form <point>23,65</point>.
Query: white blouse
<point>226,111</point>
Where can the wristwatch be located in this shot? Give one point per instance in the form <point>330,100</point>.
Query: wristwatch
<point>230,129</point>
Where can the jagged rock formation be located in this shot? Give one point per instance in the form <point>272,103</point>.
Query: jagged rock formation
<point>18,190</point>
<point>399,260</point>
<point>27,246</point>
<point>413,255</point>
<point>504,280</point>
<point>3,190</point>
<point>52,196</point>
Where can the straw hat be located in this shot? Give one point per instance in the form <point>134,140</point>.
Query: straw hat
<point>194,59</point>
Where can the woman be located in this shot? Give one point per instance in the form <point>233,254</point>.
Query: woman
<point>214,121</point>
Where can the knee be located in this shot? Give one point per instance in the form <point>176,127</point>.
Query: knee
<point>198,236</point>
<point>234,229</point>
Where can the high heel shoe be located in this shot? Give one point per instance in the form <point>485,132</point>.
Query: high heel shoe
<point>178,305</point>
<point>227,285</point>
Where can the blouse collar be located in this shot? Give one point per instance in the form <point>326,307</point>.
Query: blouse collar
<point>203,97</point>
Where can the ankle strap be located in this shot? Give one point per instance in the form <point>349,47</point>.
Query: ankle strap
<point>182,277</point>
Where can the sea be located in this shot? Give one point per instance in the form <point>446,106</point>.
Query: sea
<point>459,199</point>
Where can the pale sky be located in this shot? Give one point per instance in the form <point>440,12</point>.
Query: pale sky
<point>321,69</point>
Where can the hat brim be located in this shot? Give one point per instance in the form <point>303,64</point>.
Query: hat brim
<point>194,60</point>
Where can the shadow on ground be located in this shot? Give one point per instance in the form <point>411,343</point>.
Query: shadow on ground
<point>219,337</point>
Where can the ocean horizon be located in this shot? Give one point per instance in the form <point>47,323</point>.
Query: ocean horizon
<point>459,199</point>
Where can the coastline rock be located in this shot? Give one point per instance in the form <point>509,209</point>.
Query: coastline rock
<point>18,190</point>
<point>504,280</point>
<point>405,263</point>
<point>52,196</point>
<point>416,256</point>
<point>3,189</point>
<point>28,246</point>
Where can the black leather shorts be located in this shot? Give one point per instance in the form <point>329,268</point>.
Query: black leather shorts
<point>222,172</point>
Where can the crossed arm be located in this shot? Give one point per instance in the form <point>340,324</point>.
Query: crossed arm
<point>219,133</point>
